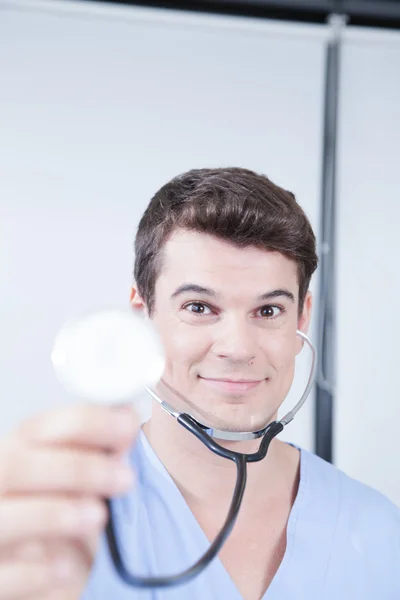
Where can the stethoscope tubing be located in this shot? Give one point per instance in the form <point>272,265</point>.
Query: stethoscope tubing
<point>208,437</point>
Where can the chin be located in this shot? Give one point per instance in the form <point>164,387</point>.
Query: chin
<point>237,417</point>
<point>215,408</point>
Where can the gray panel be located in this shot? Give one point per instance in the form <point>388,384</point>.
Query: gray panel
<point>368,297</point>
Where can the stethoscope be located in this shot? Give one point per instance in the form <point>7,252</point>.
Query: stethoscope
<point>67,360</point>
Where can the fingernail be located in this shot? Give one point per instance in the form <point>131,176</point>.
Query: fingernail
<point>63,568</point>
<point>92,514</point>
<point>122,406</point>
<point>122,479</point>
<point>124,424</point>
<point>33,550</point>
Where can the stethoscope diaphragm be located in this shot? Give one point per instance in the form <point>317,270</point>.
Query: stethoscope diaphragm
<point>107,356</point>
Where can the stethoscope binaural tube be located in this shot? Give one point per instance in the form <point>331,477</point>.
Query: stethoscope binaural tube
<point>208,436</point>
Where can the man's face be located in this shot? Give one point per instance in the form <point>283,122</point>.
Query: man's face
<point>228,318</point>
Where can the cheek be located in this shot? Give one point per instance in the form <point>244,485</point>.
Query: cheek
<point>282,350</point>
<point>183,345</point>
<point>285,380</point>
<point>283,362</point>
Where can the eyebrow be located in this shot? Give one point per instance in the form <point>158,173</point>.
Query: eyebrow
<point>198,289</point>
<point>276,294</point>
<point>193,287</point>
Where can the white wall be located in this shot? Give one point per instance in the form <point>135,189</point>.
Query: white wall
<point>99,107</point>
<point>367,411</point>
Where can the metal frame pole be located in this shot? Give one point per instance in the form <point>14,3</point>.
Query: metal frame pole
<point>325,381</point>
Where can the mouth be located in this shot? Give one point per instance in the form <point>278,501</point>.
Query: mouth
<point>238,386</point>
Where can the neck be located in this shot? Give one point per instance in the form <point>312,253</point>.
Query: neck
<point>206,479</point>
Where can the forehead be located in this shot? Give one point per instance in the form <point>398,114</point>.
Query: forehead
<point>206,260</point>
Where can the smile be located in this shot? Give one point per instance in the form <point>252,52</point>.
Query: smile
<point>231,385</point>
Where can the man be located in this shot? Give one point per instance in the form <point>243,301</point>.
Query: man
<point>223,263</point>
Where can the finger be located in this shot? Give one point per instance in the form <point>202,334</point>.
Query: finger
<point>80,552</point>
<point>27,518</point>
<point>92,426</point>
<point>59,470</point>
<point>22,580</point>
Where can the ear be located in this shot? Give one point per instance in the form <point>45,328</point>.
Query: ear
<point>304,320</point>
<point>136,301</point>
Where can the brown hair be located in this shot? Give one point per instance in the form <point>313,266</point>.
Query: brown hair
<point>233,204</point>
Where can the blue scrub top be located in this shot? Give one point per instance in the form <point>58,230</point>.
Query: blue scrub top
<point>343,540</point>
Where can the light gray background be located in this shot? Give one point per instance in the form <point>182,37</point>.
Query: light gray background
<point>101,105</point>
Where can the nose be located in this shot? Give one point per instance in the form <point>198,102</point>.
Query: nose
<point>235,339</point>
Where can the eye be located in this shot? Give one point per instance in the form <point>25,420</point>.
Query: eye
<point>198,308</point>
<point>270,311</point>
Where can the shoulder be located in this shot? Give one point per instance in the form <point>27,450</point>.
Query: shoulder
<point>360,507</point>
